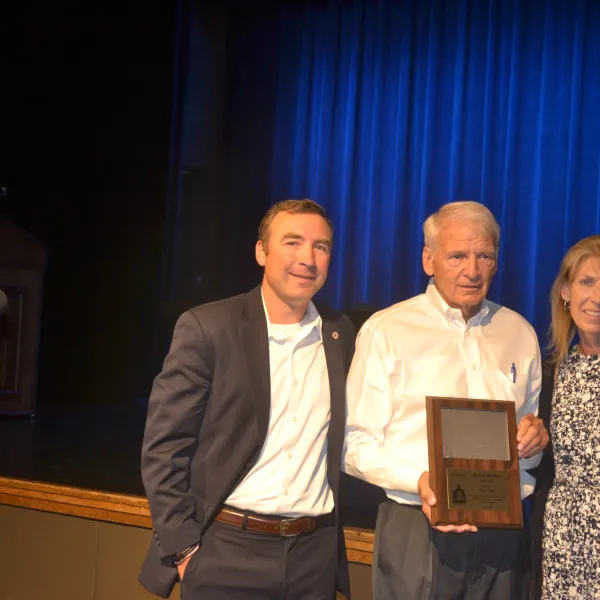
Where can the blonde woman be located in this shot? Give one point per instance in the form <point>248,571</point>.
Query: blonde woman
<point>571,534</point>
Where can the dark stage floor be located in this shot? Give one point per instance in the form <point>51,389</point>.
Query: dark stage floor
<point>98,447</point>
<point>95,447</point>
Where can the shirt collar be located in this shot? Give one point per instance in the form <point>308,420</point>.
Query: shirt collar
<point>453,314</point>
<point>293,331</point>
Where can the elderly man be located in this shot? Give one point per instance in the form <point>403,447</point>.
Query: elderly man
<point>243,444</point>
<point>450,341</point>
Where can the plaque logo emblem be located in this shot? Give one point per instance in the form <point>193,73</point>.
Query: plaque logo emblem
<point>458,495</point>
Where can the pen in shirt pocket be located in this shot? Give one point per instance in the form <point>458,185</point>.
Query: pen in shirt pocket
<point>513,372</point>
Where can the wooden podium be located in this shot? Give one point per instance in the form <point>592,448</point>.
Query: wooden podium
<point>22,263</point>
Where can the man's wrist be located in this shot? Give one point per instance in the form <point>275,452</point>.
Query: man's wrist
<point>180,557</point>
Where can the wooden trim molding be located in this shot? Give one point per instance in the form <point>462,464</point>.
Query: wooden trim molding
<point>359,545</point>
<point>127,510</point>
<point>77,502</point>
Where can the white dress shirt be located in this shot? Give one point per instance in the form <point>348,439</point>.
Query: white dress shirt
<point>290,476</point>
<point>422,347</point>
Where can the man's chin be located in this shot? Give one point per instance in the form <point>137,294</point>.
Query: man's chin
<point>475,297</point>
<point>302,294</point>
<point>472,303</point>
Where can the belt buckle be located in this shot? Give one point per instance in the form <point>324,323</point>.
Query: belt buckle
<point>282,531</point>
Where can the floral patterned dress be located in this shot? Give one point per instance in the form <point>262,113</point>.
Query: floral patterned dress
<point>571,537</point>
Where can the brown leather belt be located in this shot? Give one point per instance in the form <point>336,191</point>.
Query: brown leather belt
<point>285,527</point>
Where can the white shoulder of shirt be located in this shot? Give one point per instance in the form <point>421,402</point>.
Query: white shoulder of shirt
<point>513,321</point>
<point>395,313</point>
<point>406,311</point>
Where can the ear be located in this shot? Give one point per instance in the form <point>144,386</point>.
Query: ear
<point>565,292</point>
<point>428,260</point>
<point>261,255</point>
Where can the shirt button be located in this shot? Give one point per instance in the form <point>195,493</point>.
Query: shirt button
<point>468,333</point>
<point>290,455</point>
<point>295,382</point>
<point>474,367</point>
<point>294,419</point>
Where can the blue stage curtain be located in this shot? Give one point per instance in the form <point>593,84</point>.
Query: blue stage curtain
<point>383,111</point>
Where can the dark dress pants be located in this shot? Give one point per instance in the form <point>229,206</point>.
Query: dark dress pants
<point>234,564</point>
<point>413,561</point>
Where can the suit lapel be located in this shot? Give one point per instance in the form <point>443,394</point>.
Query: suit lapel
<point>256,349</point>
<point>332,344</point>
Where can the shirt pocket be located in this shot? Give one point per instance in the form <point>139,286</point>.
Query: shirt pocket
<point>509,389</point>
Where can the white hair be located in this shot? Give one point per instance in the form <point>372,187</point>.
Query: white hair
<point>461,211</point>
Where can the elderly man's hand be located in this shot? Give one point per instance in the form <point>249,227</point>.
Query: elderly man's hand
<point>428,500</point>
<point>532,436</point>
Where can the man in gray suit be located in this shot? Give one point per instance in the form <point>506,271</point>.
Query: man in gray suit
<point>242,449</point>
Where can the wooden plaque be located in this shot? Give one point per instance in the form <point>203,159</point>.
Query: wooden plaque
<point>474,462</point>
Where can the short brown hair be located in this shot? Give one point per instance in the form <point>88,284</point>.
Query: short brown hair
<point>562,326</point>
<point>295,207</point>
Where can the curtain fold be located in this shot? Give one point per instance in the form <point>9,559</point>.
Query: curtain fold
<point>383,111</point>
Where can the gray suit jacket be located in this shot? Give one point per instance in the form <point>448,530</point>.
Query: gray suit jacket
<point>207,423</point>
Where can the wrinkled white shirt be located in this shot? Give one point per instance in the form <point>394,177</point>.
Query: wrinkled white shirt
<point>290,475</point>
<point>422,347</point>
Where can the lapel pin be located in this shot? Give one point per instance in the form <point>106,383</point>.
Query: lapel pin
<point>335,335</point>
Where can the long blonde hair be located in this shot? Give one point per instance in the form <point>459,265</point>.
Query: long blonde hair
<point>562,326</point>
